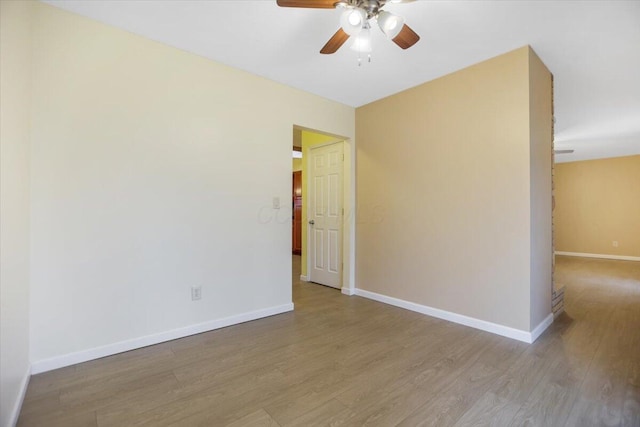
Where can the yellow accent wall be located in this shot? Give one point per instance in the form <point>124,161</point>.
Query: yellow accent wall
<point>448,174</point>
<point>597,203</point>
<point>309,140</point>
<point>297,165</point>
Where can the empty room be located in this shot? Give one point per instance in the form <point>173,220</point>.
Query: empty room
<point>457,243</point>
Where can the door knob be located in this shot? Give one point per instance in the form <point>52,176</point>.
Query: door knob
<point>312,222</point>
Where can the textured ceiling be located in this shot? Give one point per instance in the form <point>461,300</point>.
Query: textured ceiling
<point>591,47</point>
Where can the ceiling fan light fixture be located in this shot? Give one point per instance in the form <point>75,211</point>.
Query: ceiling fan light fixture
<point>352,21</point>
<point>362,42</point>
<point>390,24</point>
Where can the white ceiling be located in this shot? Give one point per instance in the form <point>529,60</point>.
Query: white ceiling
<point>591,47</point>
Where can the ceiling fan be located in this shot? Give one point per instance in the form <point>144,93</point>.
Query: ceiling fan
<point>356,19</point>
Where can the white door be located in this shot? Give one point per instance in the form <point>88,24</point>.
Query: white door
<point>325,214</point>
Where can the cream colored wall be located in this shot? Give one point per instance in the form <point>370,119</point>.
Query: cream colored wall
<point>309,140</point>
<point>541,151</point>
<point>154,170</point>
<point>444,212</point>
<point>15,69</point>
<point>597,203</point>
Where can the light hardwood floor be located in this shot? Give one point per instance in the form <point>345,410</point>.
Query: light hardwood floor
<point>349,361</point>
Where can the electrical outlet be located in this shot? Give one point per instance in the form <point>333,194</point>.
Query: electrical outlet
<point>615,243</point>
<point>276,203</point>
<point>196,293</point>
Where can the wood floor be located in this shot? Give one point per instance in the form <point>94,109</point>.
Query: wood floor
<point>348,361</point>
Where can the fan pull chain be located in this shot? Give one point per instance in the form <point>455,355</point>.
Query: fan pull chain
<point>360,58</point>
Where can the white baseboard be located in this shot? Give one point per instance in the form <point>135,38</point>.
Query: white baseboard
<point>122,346</point>
<point>304,278</point>
<point>348,291</point>
<point>17,407</point>
<point>604,256</point>
<point>538,330</point>
<point>483,325</point>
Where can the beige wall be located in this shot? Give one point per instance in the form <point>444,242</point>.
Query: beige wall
<point>154,170</point>
<point>540,149</point>
<point>444,182</point>
<point>597,203</point>
<point>15,68</point>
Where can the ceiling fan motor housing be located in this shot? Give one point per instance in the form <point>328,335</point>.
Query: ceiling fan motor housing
<point>372,7</point>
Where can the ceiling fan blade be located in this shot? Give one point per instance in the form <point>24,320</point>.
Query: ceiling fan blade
<point>406,38</point>
<point>313,4</point>
<point>335,42</point>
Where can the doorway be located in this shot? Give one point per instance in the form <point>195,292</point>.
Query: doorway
<point>296,213</point>
<point>339,261</point>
